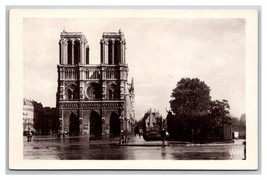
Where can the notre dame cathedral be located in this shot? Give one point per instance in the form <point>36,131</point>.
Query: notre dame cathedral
<point>94,99</point>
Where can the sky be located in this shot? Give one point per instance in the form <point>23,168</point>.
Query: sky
<point>159,53</point>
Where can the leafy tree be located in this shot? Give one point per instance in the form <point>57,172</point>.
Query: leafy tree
<point>219,108</point>
<point>172,126</point>
<point>219,113</point>
<point>190,102</point>
<point>191,97</point>
<point>194,113</point>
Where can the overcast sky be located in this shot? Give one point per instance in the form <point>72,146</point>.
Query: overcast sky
<point>159,53</point>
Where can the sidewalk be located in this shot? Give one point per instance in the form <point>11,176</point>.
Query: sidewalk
<point>139,141</point>
<point>136,141</point>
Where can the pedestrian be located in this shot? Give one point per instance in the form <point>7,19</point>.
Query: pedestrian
<point>163,136</point>
<point>29,136</point>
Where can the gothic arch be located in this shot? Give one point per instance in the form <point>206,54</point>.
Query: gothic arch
<point>95,124</point>
<point>87,55</point>
<point>66,116</point>
<point>74,125</point>
<point>117,52</point>
<point>69,52</point>
<point>114,122</point>
<point>110,49</point>
<point>72,92</point>
<point>113,91</point>
<point>94,91</point>
<point>77,52</point>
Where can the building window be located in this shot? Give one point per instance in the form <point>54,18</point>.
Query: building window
<point>69,52</point>
<point>113,92</point>
<point>110,94</point>
<point>73,92</point>
<point>110,52</point>
<point>94,91</point>
<point>117,52</point>
<point>76,52</point>
<point>87,55</point>
<point>70,94</point>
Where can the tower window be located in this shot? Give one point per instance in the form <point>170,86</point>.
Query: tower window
<point>76,52</point>
<point>69,52</point>
<point>110,52</point>
<point>117,52</point>
<point>87,55</point>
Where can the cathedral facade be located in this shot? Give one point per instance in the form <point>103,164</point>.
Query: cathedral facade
<point>94,99</point>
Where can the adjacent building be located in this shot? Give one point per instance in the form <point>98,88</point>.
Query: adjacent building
<point>153,121</point>
<point>38,119</point>
<point>38,115</point>
<point>94,99</point>
<point>28,115</point>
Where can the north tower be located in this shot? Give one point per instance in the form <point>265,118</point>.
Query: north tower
<point>94,99</point>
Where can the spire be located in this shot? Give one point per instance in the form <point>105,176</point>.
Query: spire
<point>64,31</point>
<point>132,84</point>
<point>132,81</point>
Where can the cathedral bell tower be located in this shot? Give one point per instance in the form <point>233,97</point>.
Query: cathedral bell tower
<point>113,47</point>
<point>91,98</point>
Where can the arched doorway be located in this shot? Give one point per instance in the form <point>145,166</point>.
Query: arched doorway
<point>74,127</point>
<point>95,124</point>
<point>114,124</point>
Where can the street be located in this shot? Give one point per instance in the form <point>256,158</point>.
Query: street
<point>84,148</point>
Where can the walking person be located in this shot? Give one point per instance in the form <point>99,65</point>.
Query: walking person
<point>29,136</point>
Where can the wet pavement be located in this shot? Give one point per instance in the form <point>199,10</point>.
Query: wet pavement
<point>85,148</point>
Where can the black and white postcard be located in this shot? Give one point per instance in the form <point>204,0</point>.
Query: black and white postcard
<point>133,89</point>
